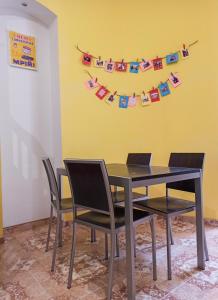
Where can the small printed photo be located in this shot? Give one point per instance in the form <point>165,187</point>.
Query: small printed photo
<point>111,98</point>
<point>154,95</point>
<point>164,89</point>
<point>157,64</point>
<point>146,65</point>
<point>86,59</point>
<point>91,83</point>
<point>134,67</point>
<point>174,80</point>
<point>109,66</point>
<point>172,58</point>
<point>123,103</point>
<point>101,92</point>
<point>99,63</point>
<point>120,66</point>
<point>132,101</point>
<point>185,52</point>
<point>145,99</point>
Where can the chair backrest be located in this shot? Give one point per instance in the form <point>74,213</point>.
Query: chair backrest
<point>139,159</point>
<point>89,185</point>
<point>52,181</point>
<point>185,160</point>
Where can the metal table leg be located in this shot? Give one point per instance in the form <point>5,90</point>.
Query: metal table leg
<point>61,225</point>
<point>199,223</point>
<point>130,261</point>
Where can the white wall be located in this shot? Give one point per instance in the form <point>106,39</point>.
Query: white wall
<point>30,122</point>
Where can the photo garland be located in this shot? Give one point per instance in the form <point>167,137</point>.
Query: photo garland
<point>135,66</point>
<point>124,101</point>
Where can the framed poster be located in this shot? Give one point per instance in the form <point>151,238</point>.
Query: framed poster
<point>22,50</point>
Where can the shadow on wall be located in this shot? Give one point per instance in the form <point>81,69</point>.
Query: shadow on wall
<point>24,184</point>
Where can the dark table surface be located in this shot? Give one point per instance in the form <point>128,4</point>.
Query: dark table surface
<point>145,172</point>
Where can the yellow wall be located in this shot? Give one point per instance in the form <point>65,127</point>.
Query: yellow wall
<point>183,121</point>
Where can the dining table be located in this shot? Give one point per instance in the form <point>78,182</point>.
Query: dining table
<point>133,176</point>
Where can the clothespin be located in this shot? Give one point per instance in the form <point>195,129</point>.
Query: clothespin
<point>172,74</point>
<point>96,79</point>
<point>115,93</point>
<point>110,60</point>
<point>184,46</point>
<point>143,92</point>
<point>134,94</point>
<point>99,58</point>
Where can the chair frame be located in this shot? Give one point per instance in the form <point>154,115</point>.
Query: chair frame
<point>144,197</point>
<point>54,193</point>
<point>132,164</point>
<point>169,235</point>
<point>112,231</point>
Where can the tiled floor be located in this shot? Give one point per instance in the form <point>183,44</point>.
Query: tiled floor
<point>25,267</point>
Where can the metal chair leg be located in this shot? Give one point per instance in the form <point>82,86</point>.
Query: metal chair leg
<point>106,246</point>
<point>169,271</point>
<point>72,255</point>
<point>117,246</point>
<point>171,232</point>
<point>49,229</point>
<point>205,248</point>
<point>55,244</point>
<point>60,242</point>
<point>112,253</point>
<point>153,237</point>
<point>134,231</point>
<point>93,235</point>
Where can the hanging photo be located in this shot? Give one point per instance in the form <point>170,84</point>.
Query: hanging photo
<point>123,103</point>
<point>145,99</point>
<point>101,92</point>
<point>86,59</point>
<point>174,80</point>
<point>22,51</point>
<point>120,66</point>
<point>146,65</point>
<point>164,89</point>
<point>91,83</point>
<point>184,52</point>
<point>132,101</point>
<point>172,58</point>
<point>109,66</point>
<point>157,64</point>
<point>111,98</point>
<point>154,95</point>
<point>134,67</point>
<point>99,63</point>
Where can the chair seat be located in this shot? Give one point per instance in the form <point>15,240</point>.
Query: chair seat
<point>99,219</point>
<point>119,196</point>
<point>166,205</point>
<point>66,204</point>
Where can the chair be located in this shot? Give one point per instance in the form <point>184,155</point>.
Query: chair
<point>168,206</point>
<point>60,206</point>
<point>91,190</point>
<point>142,159</point>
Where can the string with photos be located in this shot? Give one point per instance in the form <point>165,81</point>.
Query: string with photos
<point>125,101</point>
<point>135,65</point>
